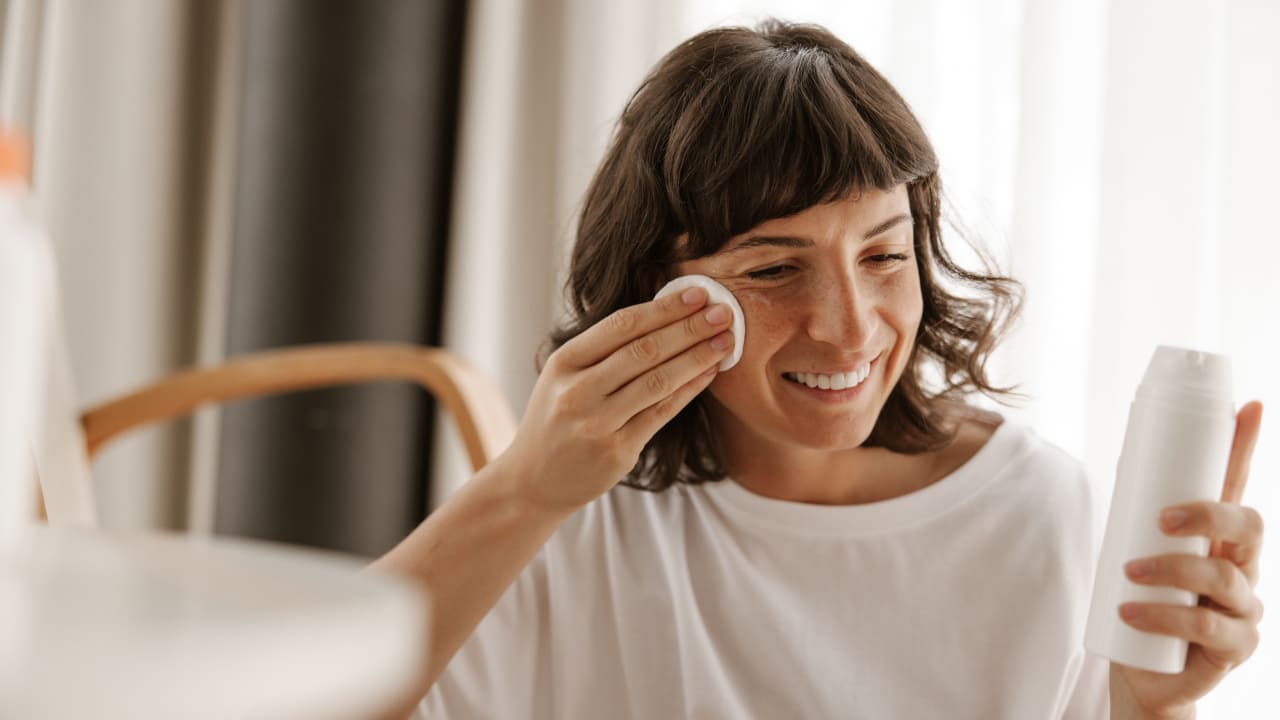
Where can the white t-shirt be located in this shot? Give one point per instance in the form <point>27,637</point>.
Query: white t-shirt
<point>964,599</point>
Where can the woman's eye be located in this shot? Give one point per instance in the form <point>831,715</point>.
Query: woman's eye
<point>769,273</point>
<point>888,259</point>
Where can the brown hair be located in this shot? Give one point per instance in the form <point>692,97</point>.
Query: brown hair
<point>737,126</point>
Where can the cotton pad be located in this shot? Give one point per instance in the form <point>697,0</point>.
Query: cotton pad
<point>716,293</point>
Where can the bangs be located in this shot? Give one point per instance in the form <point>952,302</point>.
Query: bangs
<point>780,132</point>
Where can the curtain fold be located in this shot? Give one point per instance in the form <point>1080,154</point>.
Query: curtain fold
<point>342,190</point>
<point>116,146</point>
<point>542,84</point>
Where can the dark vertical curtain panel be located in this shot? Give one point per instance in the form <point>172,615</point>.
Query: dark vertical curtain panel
<point>345,156</point>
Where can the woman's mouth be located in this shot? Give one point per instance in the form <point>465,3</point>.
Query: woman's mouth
<point>830,381</point>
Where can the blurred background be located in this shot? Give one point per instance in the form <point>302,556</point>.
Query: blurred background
<point>222,176</point>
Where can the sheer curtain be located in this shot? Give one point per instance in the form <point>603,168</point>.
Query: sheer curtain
<point>1118,158</point>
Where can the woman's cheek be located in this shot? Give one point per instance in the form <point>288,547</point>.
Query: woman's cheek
<point>912,299</point>
<point>764,314</point>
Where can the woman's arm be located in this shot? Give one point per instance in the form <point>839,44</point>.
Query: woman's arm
<point>467,553</point>
<point>598,401</point>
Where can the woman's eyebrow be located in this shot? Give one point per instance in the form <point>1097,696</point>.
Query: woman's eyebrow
<point>799,242</point>
<point>887,224</point>
<point>773,240</point>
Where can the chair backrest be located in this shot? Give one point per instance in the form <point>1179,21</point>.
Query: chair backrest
<point>477,406</point>
<point>40,419</point>
<point>64,440</point>
<point>65,493</point>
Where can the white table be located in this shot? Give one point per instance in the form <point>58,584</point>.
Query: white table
<point>111,625</point>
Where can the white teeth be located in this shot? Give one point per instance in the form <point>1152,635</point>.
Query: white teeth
<point>838,381</point>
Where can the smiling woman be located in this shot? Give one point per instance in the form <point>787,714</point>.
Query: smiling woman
<point>815,531</point>
<point>741,144</point>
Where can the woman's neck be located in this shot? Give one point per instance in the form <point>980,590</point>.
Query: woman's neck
<point>851,476</point>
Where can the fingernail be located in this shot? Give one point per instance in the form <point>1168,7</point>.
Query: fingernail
<point>1173,519</point>
<point>722,341</point>
<point>692,296</point>
<point>1129,611</point>
<point>1138,568</point>
<point>718,315</point>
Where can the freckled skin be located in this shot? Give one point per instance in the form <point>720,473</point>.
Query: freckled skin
<point>839,302</point>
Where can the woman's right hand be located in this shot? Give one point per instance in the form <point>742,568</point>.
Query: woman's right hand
<point>605,393</point>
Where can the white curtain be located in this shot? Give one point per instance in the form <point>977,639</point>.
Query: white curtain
<point>1118,158</point>
<point>543,81</point>
<point>109,168</point>
<point>135,102</point>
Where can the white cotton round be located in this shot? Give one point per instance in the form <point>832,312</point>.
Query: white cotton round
<point>716,293</point>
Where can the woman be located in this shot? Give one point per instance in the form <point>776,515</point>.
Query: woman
<point>779,548</point>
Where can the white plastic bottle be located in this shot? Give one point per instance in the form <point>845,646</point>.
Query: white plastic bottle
<point>26,276</point>
<point>1176,448</point>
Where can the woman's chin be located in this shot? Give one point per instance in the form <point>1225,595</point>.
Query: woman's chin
<point>829,440</point>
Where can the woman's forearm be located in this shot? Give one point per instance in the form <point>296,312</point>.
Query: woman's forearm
<point>466,554</point>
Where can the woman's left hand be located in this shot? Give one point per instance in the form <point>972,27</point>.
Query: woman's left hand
<point>1223,628</point>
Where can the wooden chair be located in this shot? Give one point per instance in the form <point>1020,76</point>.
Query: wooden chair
<point>475,403</point>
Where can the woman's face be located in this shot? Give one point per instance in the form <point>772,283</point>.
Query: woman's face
<point>831,292</point>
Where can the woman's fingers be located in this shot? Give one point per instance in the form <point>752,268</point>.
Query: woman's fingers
<point>1236,531</point>
<point>1225,622</point>
<point>1248,423</point>
<point>646,356</point>
<point>698,364</point>
<point>606,337</point>
<point>1217,579</point>
<point>1229,640</point>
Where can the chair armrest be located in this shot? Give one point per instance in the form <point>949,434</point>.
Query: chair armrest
<point>479,409</point>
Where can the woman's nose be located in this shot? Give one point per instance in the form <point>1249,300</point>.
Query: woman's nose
<point>840,314</point>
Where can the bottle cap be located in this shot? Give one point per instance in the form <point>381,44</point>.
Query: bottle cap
<point>15,156</point>
<point>1185,376</point>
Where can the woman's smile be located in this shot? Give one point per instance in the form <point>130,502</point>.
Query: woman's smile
<point>832,387</point>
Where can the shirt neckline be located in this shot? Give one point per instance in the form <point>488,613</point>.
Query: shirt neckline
<point>884,516</point>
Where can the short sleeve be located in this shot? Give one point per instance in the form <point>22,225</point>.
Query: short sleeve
<point>500,671</point>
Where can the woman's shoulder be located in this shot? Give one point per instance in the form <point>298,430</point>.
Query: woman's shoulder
<point>1011,458</point>
<point>974,430</point>
<point>630,514</point>
<point>1022,462</point>
<point>988,432</point>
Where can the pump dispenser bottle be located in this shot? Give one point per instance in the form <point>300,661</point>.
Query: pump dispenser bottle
<point>1175,451</point>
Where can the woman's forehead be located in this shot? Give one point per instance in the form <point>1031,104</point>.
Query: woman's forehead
<point>864,215</point>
